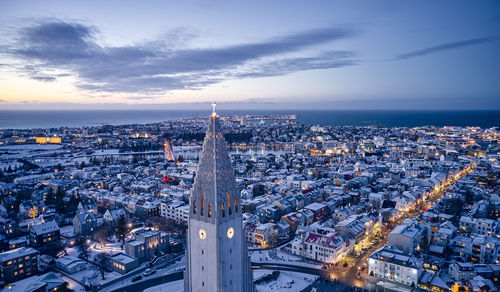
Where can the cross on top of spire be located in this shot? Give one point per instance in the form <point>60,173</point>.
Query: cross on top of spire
<point>214,114</point>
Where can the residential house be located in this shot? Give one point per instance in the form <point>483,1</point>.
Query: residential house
<point>329,248</point>
<point>390,263</point>
<point>87,205</point>
<point>123,263</point>
<point>112,216</point>
<point>43,233</point>
<point>148,244</point>
<point>84,223</point>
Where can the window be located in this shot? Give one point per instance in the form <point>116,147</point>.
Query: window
<point>202,204</point>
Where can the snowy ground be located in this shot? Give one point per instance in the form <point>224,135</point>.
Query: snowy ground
<point>175,286</point>
<point>31,147</point>
<point>27,150</point>
<point>110,248</point>
<point>90,271</point>
<point>281,257</point>
<point>286,281</point>
<point>267,256</point>
<point>67,230</point>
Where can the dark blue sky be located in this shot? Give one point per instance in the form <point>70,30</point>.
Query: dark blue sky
<point>302,54</point>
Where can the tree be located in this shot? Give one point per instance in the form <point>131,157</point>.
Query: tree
<point>166,224</point>
<point>258,190</point>
<point>424,242</point>
<point>59,201</point>
<point>102,233</point>
<point>53,248</point>
<point>121,229</point>
<point>102,261</point>
<point>92,281</point>
<point>84,249</point>
<point>33,212</point>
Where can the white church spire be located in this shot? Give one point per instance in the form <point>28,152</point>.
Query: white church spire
<point>217,257</point>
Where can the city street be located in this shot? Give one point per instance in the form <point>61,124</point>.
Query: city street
<point>349,274</point>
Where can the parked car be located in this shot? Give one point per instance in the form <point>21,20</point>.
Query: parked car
<point>135,279</point>
<point>149,272</point>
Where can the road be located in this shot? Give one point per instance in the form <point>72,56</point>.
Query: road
<point>140,286</point>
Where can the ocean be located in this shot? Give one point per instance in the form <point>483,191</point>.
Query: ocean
<point>19,119</point>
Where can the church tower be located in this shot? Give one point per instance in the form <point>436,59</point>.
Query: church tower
<point>216,256</point>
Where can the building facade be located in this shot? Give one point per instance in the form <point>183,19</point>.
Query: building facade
<point>389,263</point>
<point>44,233</point>
<point>18,263</point>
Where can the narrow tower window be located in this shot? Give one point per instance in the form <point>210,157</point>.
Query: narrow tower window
<point>209,210</point>
<point>202,203</point>
<point>223,210</point>
<point>194,207</point>
<point>229,203</point>
<point>235,205</point>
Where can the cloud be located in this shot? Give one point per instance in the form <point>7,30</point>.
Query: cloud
<point>333,59</point>
<point>165,64</point>
<point>44,78</point>
<point>446,47</point>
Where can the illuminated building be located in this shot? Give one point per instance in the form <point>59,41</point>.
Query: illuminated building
<point>48,140</point>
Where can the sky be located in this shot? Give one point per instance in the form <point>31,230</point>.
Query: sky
<point>250,54</point>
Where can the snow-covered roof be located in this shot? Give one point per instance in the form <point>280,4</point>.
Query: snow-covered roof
<point>17,253</point>
<point>43,228</point>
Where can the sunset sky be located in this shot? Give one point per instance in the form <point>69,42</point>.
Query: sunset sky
<point>317,54</point>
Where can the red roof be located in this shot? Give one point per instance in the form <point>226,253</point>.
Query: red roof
<point>331,241</point>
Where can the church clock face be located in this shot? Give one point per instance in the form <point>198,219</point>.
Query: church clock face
<point>230,232</point>
<point>202,233</point>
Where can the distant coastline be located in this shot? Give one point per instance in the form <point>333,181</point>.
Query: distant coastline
<point>24,119</point>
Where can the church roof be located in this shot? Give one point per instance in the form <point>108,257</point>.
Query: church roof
<point>214,191</point>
